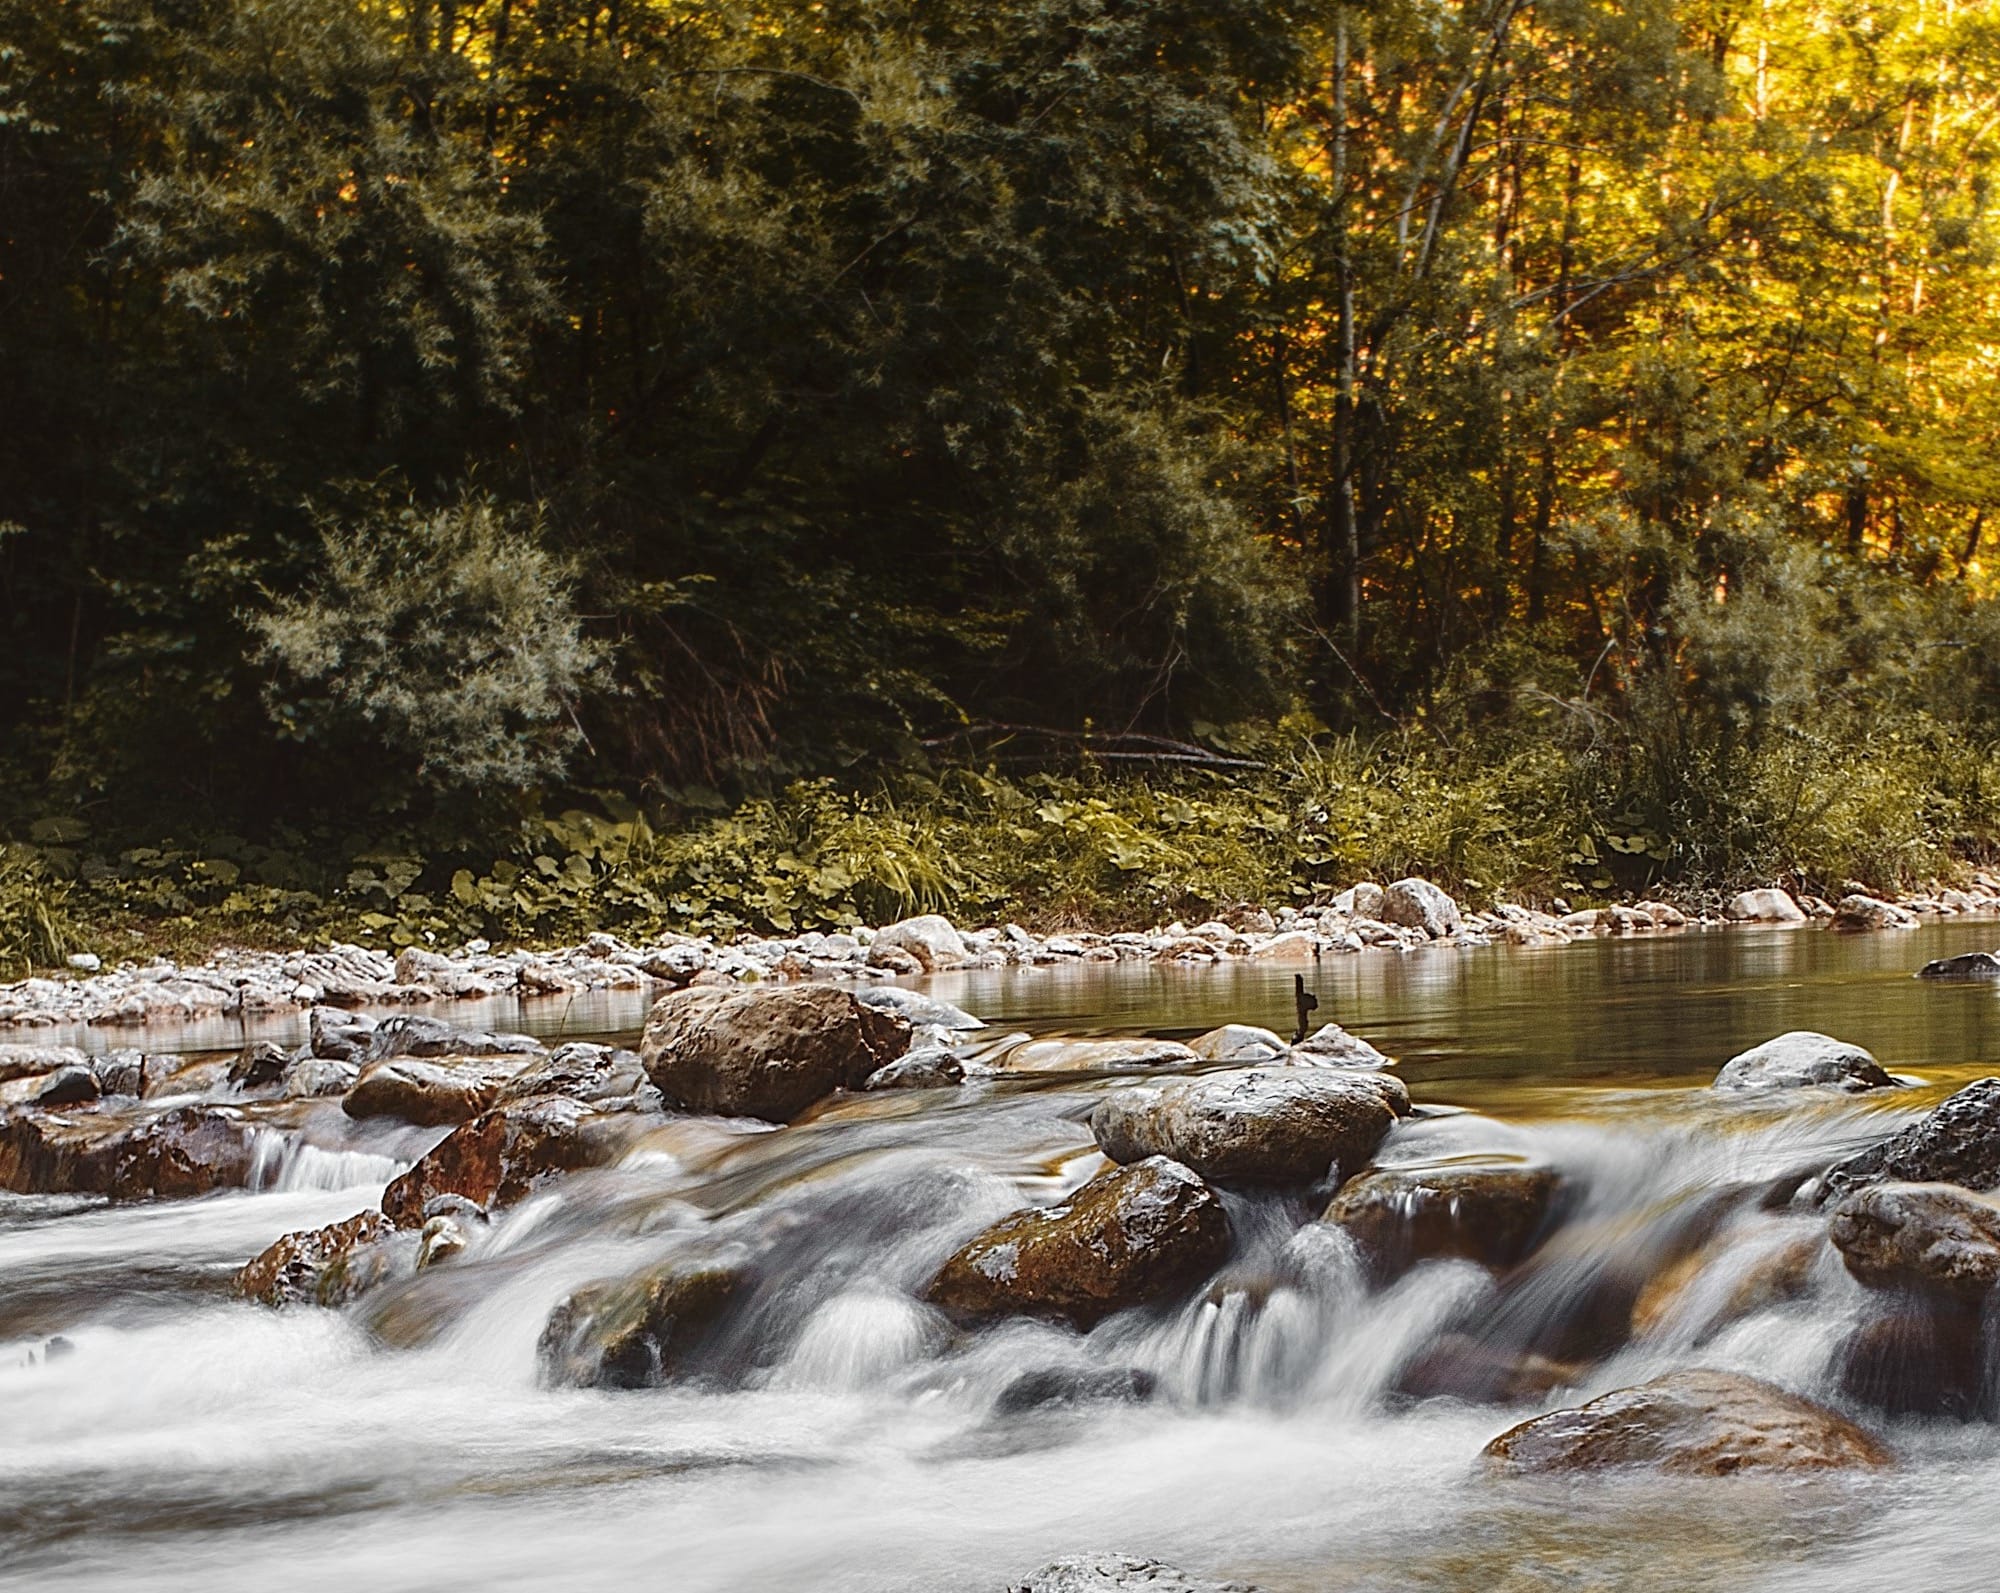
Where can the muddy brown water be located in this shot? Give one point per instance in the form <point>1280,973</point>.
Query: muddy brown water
<point>848,1440</point>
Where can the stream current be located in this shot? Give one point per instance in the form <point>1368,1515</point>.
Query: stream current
<point>190,1441</point>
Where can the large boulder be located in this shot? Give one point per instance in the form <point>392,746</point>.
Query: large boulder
<point>1418,904</point>
<point>768,1053</point>
<point>59,1152</point>
<point>504,1155</point>
<point>929,938</point>
<point>1958,1142</point>
<point>188,1151</point>
<point>1767,906</point>
<point>640,1331</point>
<point>430,1092</point>
<point>1254,1125</point>
<point>1693,1423</point>
<point>1490,1212</point>
<point>1964,968</point>
<point>1919,1236</point>
<point>1800,1059</point>
<point>1131,1236</point>
<point>1119,1573</point>
<point>319,1266</point>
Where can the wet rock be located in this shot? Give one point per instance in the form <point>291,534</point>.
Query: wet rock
<point>1131,1236</point>
<point>1460,1366</point>
<point>641,1331</point>
<point>1968,966</point>
<point>188,1151</point>
<point>1096,1056</point>
<point>768,1053</point>
<point>1057,1387</point>
<point>1858,912</point>
<point>916,1008</point>
<point>48,1152</point>
<point>319,1266</point>
<point>1919,1357</point>
<point>929,1069</point>
<point>1332,1046</point>
<point>601,1075</point>
<point>32,1061</point>
<point>504,1155</point>
<point>1801,1059</point>
<point>1692,1423</point>
<point>929,938</point>
<point>309,1077</point>
<point>1418,904</point>
<point>68,1086</point>
<point>429,1092</point>
<point>259,1064</point>
<point>1253,1125</point>
<point>1238,1042</point>
<point>443,1237</point>
<point>1919,1236</point>
<point>1119,1573</point>
<point>1958,1142</point>
<point>1768,906</point>
<point>1489,1212</point>
<point>129,1072</point>
<point>1778,1275</point>
<point>417,1036</point>
<point>337,1035</point>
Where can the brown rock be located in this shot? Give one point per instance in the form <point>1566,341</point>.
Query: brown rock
<point>1778,1275</point>
<point>640,1331</point>
<point>1693,1423</point>
<point>322,1266</point>
<point>504,1155</point>
<point>768,1053</point>
<point>1095,1056</point>
<point>58,1153</point>
<point>188,1151</point>
<point>1254,1125</point>
<point>1919,1236</point>
<point>1920,1357</point>
<point>1490,1212</point>
<point>1958,1142</point>
<point>1131,1236</point>
<point>427,1092</point>
<point>1460,1366</point>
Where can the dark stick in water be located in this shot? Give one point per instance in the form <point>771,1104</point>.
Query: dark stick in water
<point>1306,1003</point>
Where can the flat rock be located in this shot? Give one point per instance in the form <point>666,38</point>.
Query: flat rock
<point>1131,1236</point>
<point>1096,1056</point>
<point>1965,967</point>
<point>1803,1059</point>
<point>33,1061</point>
<point>1692,1423</point>
<point>318,1266</point>
<point>1254,1125</point>
<point>1957,1142</point>
<point>1119,1573</point>
<point>1919,1236</point>
<point>768,1053</point>
<point>916,1008</point>
<point>430,1092</point>
<point>1489,1212</point>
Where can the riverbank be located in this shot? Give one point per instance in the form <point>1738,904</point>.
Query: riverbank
<point>1405,916</point>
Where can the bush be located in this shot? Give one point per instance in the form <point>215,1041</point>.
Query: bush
<point>35,926</point>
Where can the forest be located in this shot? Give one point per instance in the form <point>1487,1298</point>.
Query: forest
<point>489,466</point>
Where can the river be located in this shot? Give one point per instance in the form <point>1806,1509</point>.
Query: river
<point>858,1445</point>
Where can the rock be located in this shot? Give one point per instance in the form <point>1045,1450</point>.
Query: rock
<point>1919,1236</point>
<point>319,1266</point>
<point>31,1061</point>
<point>640,1331</point>
<point>601,1075</point>
<point>1768,906</point>
<point>1489,1212</point>
<point>1663,914</point>
<point>504,1155</point>
<point>1780,1274</point>
<point>1055,1387</point>
<point>337,1035</point>
<point>1692,1423</point>
<point>536,978</point>
<point>258,1064</point>
<point>1967,966</point>
<point>929,1069</point>
<point>675,965</point>
<point>1858,912</point>
<point>443,1237</point>
<point>1359,901</point>
<point>1801,1059</point>
<point>768,1053</point>
<point>1459,1366</point>
<point>1294,943</point>
<point>46,1152</point>
<point>1100,1056</point>
<point>1118,1573</point>
<point>416,1036</point>
<point>929,938</point>
<point>1238,1042</point>
<point>429,1092</point>
<point>68,1086</point>
<point>1332,1046</point>
<point>1958,1142</point>
<point>1131,1236</point>
<point>1253,1125</point>
<point>916,1008</point>
<point>188,1151</point>
<point>312,1076</point>
<point>1922,1357</point>
<point>1418,904</point>
<point>84,961</point>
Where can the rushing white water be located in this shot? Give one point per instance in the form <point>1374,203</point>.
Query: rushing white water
<point>847,1439</point>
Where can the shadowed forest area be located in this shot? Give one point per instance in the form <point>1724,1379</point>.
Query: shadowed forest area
<point>500,466</point>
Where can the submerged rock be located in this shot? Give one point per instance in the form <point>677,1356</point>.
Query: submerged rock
<point>1461,1366</point>
<point>504,1155</point>
<point>320,1266</point>
<point>430,1092</point>
<point>640,1331</point>
<point>1119,1573</point>
<point>1055,1387</point>
<point>768,1053</point>
<point>188,1151</point>
<point>1800,1059</point>
<point>1919,1357</point>
<point>1418,904</point>
<point>1131,1236</point>
<point>1254,1125</point>
<point>1957,1142</point>
<point>1768,906</point>
<point>1694,1423</point>
<point>1490,1212</point>
<point>1919,1236</point>
<point>1967,966</point>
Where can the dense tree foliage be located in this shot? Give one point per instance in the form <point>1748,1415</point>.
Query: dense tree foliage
<point>415,398</point>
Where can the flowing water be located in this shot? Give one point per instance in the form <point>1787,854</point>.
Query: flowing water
<point>847,1439</point>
